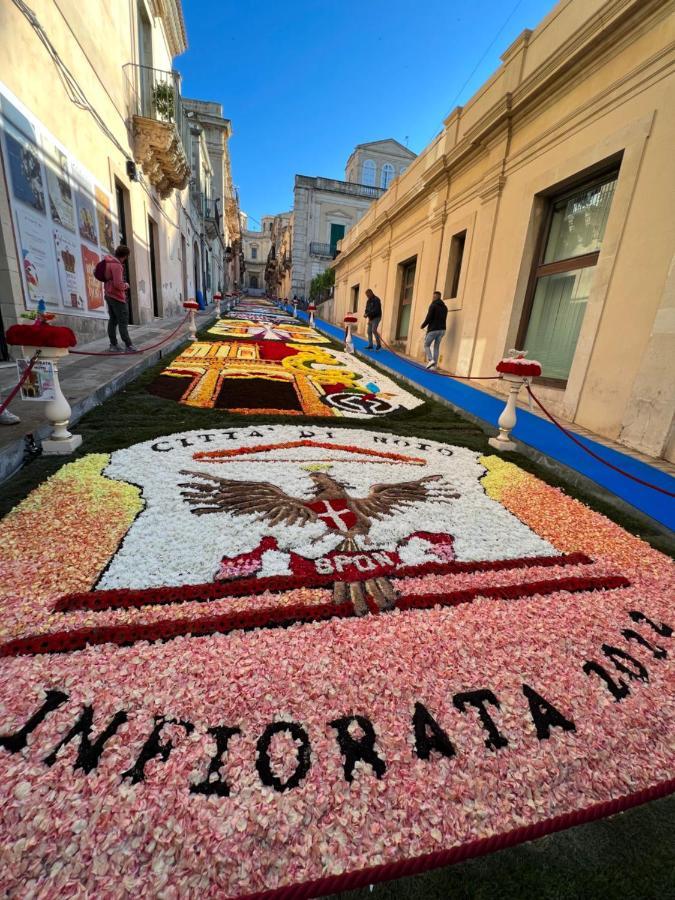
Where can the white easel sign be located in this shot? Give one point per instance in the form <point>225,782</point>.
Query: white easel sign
<point>40,382</point>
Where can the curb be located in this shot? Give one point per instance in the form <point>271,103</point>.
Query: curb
<point>12,455</point>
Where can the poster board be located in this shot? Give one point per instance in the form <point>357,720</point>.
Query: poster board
<point>62,217</point>
<point>39,385</point>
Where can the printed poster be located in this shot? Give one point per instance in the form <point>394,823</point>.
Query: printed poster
<point>86,214</point>
<point>56,203</point>
<point>105,223</point>
<point>93,287</point>
<point>61,200</point>
<point>71,275</point>
<point>37,254</point>
<point>40,382</point>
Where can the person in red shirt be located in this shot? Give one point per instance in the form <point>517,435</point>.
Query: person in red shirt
<point>116,298</point>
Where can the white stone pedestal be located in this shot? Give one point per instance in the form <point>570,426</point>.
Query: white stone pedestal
<point>61,442</point>
<point>507,420</point>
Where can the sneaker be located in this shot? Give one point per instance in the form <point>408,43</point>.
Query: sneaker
<point>379,347</point>
<point>130,349</point>
<point>113,348</point>
<point>431,364</point>
<point>8,418</point>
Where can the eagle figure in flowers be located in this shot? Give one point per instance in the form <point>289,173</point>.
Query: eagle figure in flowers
<point>330,504</point>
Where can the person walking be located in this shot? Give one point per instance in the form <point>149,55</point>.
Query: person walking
<point>373,312</point>
<point>115,291</point>
<point>435,323</point>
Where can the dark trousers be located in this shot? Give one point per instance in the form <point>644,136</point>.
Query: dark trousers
<point>119,318</point>
<point>373,325</point>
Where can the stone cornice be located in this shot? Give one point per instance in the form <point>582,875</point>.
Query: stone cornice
<point>171,13</point>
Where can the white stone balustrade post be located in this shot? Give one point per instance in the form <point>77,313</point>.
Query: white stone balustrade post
<point>507,420</point>
<point>348,323</point>
<point>61,442</point>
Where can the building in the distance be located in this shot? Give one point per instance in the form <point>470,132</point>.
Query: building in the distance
<point>378,162</point>
<point>280,257</point>
<point>256,247</point>
<point>324,209</point>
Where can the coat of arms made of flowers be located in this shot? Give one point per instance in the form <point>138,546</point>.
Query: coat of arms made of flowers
<point>313,649</point>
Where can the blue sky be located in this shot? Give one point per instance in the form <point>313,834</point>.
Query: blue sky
<point>304,81</point>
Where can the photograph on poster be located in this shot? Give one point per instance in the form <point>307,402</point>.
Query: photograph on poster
<point>37,254</point>
<point>25,171</point>
<point>61,202</point>
<point>105,223</point>
<point>86,214</point>
<point>94,288</point>
<point>55,204</point>
<point>71,276</point>
<point>39,385</point>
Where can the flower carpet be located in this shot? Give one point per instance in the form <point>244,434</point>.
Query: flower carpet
<point>293,658</point>
<point>267,363</point>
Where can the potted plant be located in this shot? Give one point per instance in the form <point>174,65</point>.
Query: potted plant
<point>163,99</point>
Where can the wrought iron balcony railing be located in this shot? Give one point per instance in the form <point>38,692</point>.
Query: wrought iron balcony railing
<point>323,250</point>
<point>160,128</point>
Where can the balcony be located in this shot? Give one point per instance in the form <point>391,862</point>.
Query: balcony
<point>325,251</point>
<point>339,187</point>
<point>160,135</point>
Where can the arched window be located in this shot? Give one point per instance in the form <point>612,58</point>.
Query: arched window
<point>402,170</point>
<point>388,173</point>
<point>254,253</point>
<point>369,170</point>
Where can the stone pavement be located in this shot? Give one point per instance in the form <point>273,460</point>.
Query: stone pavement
<point>86,382</point>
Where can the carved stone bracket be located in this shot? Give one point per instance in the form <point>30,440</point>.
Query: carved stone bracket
<point>159,150</point>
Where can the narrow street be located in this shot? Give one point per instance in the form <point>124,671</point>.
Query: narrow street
<point>284,522</point>
<point>337,456</point>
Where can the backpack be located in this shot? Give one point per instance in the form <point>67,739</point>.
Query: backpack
<point>100,270</point>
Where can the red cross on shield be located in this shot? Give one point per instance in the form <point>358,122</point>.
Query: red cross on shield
<point>335,514</point>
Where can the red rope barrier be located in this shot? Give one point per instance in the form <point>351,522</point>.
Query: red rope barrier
<point>592,453</point>
<point>15,390</point>
<point>140,349</point>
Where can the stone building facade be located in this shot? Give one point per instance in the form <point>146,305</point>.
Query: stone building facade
<point>543,212</point>
<point>256,247</point>
<point>324,209</point>
<point>378,163</point>
<point>135,166</point>
<point>280,257</point>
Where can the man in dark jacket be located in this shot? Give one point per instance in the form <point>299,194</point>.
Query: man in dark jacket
<point>437,315</point>
<point>373,313</point>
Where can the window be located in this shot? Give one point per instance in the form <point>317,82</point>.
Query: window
<point>388,175</point>
<point>405,298</point>
<point>402,170</point>
<point>562,278</point>
<point>254,252</point>
<point>337,232</point>
<point>369,171</point>
<point>455,264</point>
<point>354,306</point>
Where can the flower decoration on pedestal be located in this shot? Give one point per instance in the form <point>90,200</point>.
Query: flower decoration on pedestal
<point>41,333</point>
<point>517,364</point>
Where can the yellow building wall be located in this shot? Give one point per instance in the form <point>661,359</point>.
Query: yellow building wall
<point>594,82</point>
<point>95,39</point>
